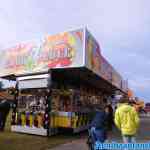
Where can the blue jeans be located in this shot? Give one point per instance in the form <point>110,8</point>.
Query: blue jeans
<point>129,139</point>
<point>98,135</point>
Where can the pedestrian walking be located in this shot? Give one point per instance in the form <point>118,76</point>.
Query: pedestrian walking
<point>109,121</point>
<point>98,130</point>
<point>127,120</point>
<point>4,111</point>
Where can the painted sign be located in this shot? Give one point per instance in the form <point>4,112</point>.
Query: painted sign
<point>76,48</point>
<point>17,59</point>
<point>57,51</point>
<point>62,50</point>
<point>106,70</point>
<point>97,63</point>
<point>94,60</point>
<point>92,53</point>
<point>116,79</point>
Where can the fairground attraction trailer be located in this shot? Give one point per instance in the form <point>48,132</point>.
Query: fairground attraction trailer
<point>59,80</point>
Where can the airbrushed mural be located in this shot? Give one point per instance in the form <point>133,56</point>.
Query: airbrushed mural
<point>57,51</point>
<point>77,48</point>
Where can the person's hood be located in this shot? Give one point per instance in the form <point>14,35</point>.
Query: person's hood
<point>125,108</point>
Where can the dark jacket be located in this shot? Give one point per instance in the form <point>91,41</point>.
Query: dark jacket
<point>99,121</point>
<point>110,119</point>
<point>4,110</point>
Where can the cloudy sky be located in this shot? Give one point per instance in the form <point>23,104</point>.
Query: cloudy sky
<point>122,28</point>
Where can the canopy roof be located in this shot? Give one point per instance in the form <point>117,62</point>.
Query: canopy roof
<point>67,50</point>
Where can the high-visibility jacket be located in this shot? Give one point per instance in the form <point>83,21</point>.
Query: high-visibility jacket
<point>127,119</point>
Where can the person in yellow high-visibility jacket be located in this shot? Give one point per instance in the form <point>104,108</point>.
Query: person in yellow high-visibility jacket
<point>127,120</point>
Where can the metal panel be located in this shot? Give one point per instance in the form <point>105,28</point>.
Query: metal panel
<point>63,50</point>
<point>36,83</point>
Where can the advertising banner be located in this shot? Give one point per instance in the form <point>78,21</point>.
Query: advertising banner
<point>106,70</point>
<point>97,63</point>
<point>94,60</point>
<point>92,53</point>
<point>116,79</point>
<point>70,49</point>
<point>56,51</point>
<point>17,59</point>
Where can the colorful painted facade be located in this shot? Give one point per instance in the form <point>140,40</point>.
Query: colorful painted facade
<point>71,49</point>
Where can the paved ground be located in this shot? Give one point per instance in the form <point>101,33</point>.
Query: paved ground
<point>80,144</point>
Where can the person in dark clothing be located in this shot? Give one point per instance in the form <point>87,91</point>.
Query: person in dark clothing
<point>110,117</point>
<point>110,121</point>
<point>98,126</point>
<point>4,110</point>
